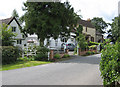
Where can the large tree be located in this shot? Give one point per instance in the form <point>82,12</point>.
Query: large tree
<point>49,19</point>
<point>114,32</point>
<point>99,24</point>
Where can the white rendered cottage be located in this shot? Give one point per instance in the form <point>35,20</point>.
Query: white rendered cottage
<point>22,40</point>
<point>16,28</point>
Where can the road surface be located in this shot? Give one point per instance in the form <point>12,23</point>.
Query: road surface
<point>76,71</point>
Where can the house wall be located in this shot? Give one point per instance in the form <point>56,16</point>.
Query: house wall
<point>57,43</point>
<point>14,24</point>
<point>90,31</point>
<point>98,37</point>
<point>0,22</point>
<point>18,32</point>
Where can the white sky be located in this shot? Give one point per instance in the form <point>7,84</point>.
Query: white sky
<point>107,9</point>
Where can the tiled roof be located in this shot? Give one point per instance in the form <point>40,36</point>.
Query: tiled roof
<point>6,21</point>
<point>86,23</point>
<point>9,20</point>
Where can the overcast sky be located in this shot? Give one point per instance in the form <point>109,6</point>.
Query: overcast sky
<point>107,9</point>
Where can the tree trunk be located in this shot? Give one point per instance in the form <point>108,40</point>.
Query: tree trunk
<point>41,42</point>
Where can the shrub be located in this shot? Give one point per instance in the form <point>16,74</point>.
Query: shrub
<point>88,53</point>
<point>10,54</point>
<point>41,57</point>
<point>43,50</point>
<point>66,55</point>
<point>110,64</point>
<point>92,47</point>
<point>92,43</point>
<point>26,59</point>
<point>92,52</point>
<point>75,50</point>
<point>42,54</point>
<point>57,56</point>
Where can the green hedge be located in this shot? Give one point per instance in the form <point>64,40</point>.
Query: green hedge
<point>92,43</point>
<point>42,54</point>
<point>10,54</point>
<point>66,55</point>
<point>90,53</point>
<point>110,64</point>
<point>92,47</point>
<point>57,56</point>
<point>41,57</point>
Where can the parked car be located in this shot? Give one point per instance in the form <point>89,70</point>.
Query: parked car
<point>69,46</point>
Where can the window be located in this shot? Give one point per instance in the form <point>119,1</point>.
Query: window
<point>86,29</point>
<point>13,29</point>
<point>56,42</point>
<point>92,39</point>
<point>19,41</point>
<point>23,36</point>
<point>72,39</point>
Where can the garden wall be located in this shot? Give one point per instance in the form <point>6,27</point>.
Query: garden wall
<point>85,51</point>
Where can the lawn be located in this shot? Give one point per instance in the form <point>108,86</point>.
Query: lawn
<point>22,64</point>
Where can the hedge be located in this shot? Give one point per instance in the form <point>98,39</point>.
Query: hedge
<point>92,43</point>
<point>57,56</point>
<point>42,54</point>
<point>10,54</point>
<point>110,64</point>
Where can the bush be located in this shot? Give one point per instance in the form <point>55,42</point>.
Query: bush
<point>10,54</point>
<point>57,56</point>
<point>92,52</point>
<point>42,54</point>
<point>41,57</point>
<point>92,47</point>
<point>26,59</point>
<point>66,55</point>
<point>110,64</point>
<point>88,53</point>
<point>92,43</point>
<point>75,50</point>
<point>43,50</point>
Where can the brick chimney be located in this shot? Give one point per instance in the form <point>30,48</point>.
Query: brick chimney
<point>88,19</point>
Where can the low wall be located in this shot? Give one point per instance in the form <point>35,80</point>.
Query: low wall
<point>85,51</point>
<point>53,52</point>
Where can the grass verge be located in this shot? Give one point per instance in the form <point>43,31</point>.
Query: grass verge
<point>22,64</point>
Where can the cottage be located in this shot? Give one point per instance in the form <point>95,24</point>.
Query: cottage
<point>90,32</point>
<point>16,28</point>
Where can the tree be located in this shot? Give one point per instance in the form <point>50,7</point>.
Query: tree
<point>14,13</point>
<point>49,19</point>
<point>6,35</point>
<point>114,32</point>
<point>82,43</point>
<point>99,24</point>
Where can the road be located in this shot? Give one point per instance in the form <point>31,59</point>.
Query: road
<point>76,71</point>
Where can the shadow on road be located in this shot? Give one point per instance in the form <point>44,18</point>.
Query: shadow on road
<point>93,59</point>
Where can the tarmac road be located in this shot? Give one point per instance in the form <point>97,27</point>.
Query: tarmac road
<point>77,71</point>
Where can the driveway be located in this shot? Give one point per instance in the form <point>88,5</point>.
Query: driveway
<point>76,71</point>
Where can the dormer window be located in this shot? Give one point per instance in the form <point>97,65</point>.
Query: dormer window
<point>13,29</point>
